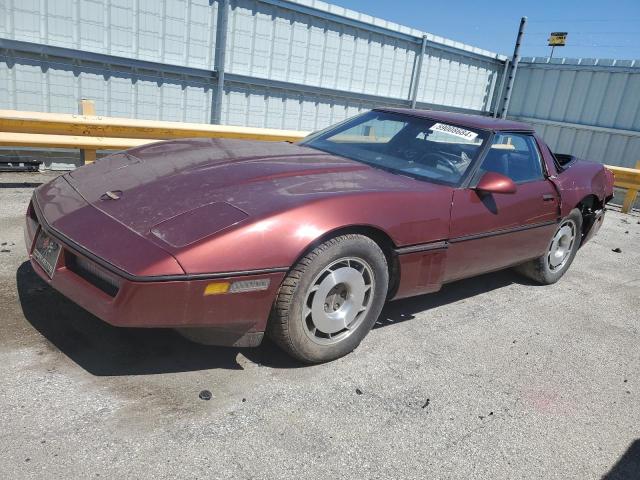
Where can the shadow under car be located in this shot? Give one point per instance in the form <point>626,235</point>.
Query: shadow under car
<point>104,350</point>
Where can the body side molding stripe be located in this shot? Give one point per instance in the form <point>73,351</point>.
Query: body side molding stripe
<point>503,231</point>
<point>442,245</point>
<point>422,247</point>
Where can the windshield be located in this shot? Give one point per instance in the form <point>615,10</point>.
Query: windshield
<point>402,144</point>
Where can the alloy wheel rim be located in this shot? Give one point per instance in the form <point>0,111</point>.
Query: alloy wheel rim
<point>561,245</point>
<point>338,300</point>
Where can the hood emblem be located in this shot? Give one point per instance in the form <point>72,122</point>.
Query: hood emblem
<point>111,195</point>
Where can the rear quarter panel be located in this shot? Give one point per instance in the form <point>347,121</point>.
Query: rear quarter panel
<point>578,181</point>
<point>582,179</point>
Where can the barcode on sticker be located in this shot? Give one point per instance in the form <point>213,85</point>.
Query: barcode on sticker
<point>457,131</point>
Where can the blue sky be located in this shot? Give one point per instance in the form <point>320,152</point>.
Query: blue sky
<point>597,28</point>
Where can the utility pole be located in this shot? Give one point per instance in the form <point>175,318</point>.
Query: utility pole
<point>514,67</point>
<point>417,71</point>
<point>221,48</point>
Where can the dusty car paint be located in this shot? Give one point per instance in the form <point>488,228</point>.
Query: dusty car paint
<point>185,213</point>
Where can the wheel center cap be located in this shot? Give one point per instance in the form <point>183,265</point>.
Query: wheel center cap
<point>338,299</point>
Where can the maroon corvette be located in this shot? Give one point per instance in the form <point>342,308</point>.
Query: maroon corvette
<point>228,239</point>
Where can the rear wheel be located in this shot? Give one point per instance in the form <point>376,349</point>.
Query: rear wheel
<point>330,299</point>
<point>551,266</point>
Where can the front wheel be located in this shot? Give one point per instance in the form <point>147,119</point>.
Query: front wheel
<point>551,266</point>
<point>330,300</point>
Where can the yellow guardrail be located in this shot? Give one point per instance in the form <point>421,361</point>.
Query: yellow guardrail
<point>628,178</point>
<point>113,127</point>
<point>90,132</point>
<point>69,141</point>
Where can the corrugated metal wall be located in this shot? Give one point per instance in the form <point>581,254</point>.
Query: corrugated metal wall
<point>268,41</point>
<point>258,106</point>
<point>296,65</point>
<point>587,107</point>
<point>180,32</point>
<point>55,84</point>
<point>351,61</point>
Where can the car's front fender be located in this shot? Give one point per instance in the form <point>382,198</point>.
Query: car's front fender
<point>278,240</point>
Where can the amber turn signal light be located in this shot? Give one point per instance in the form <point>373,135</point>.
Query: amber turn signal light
<point>239,286</point>
<point>216,288</point>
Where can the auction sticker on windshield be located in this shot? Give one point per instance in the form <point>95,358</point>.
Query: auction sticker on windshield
<point>451,130</point>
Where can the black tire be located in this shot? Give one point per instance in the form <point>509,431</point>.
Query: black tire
<point>540,269</point>
<point>289,327</point>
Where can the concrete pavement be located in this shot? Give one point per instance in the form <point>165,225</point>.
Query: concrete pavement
<point>490,378</point>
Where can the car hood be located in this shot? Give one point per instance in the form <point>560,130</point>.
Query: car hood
<point>226,181</point>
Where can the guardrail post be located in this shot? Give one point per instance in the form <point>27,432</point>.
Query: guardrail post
<point>87,107</point>
<point>630,196</point>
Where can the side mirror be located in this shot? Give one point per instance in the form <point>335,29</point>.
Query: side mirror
<point>492,182</point>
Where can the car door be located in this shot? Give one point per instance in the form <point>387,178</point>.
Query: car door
<point>490,231</point>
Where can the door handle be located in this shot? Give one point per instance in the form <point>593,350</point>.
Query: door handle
<point>547,197</point>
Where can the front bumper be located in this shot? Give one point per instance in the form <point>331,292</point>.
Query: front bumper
<point>146,302</point>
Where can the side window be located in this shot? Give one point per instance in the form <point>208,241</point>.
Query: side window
<point>514,155</point>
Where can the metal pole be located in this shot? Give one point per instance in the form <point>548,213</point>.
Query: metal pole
<point>417,71</point>
<point>221,48</point>
<point>505,70</point>
<point>514,67</point>
<point>552,48</point>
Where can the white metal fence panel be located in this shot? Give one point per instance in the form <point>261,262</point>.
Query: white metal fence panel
<point>180,32</point>
<point>613,147</point>
<point>57,86</point>
<point>602,93</point>
<point>452,79</point>
<point>294,64</point>
<point>586,107</point>
<point>268,41</point>
<point>258,106</point>
<point>352,58</point>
